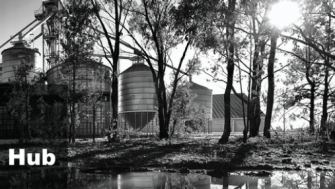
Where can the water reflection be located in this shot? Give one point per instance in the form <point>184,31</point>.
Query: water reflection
<point>148,180</point>
<point>75,179</point>
<point>279,179</point>
<point>42,177</point>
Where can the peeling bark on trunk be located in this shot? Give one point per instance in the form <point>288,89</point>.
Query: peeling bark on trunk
<point>255,108</point>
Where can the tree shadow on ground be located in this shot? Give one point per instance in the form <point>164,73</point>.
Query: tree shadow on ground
<point>130,153</point>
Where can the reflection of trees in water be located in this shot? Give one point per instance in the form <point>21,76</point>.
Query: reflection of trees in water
<point>154,180</point>
<point>304,179</point>
<point>177,181</point>
<point>72,178</point>
<point>278,180</point>
<point>35,178</point>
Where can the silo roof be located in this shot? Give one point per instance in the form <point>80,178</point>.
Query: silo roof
<point>197,86</point>
<point>137,67</point>
<point>20,45</point>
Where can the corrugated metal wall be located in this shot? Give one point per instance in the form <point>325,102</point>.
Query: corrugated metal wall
<point>237,125</point>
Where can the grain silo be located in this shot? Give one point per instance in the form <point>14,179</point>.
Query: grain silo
<point>137,98</point>
<point>0,70</point>
<point>14,57</point>
<point>204,98</point>
<point>90,76</point>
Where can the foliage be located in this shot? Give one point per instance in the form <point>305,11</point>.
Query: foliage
<point>159,31</point>
<point>51,122</point>
<point>112,24</point>
<point>36,118</point>
<point>197,120</point>
<point>187,116</point>
<point>77,43</point>
<point>19,103</point>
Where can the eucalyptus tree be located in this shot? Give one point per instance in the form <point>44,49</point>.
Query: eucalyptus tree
<point>218,36</point>
<point>157,28</point>
<point>306,67</point>
<point>317,33</point>
<point>258,25</point>
<point>230,17</point>
<point>112,16</point>
<point>77,46</point>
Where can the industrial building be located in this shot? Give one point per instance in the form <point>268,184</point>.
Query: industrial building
<point>137,104</point>
<point>236,111</point>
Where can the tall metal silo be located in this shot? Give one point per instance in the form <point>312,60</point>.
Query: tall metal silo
<point>14,56</point>
<point>0,70</point>
<point>204,98</point>
<point>95,77</point>
<point>89,75</point>
<point>137,97</point>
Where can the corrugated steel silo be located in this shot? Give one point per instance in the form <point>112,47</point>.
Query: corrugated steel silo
<point>204,97</point>
<point>137,96</point>
<point>93,76</point>
<point>14,56</point>
<point>0,70</point>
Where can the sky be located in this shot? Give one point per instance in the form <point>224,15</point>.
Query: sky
<point>14,16</point>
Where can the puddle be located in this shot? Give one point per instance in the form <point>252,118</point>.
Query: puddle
<point>63,177</point>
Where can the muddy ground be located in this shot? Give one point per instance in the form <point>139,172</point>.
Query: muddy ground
<point>203,152</point>
<point>189,153</point>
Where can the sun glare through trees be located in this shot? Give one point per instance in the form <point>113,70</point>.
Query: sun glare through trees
<point>284,13</point>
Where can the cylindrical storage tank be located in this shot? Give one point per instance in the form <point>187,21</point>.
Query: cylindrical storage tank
<point>204,97</point>
<point>137,96</point>
<point>0,71</point>
<point>13,57</point>
<point>95,77</point>
<point>89,75</point>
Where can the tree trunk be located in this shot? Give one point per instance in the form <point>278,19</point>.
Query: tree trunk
<point>271,84</point>
<point>163,131</point>
<point>257,72</point>
<point>326,90</point>
<point>115,52</point>
<point>73,115</point>
<point>28,132</point>
<point>114,97</point>
<point>311,110</point>
<point>93,122</point>
<point>309,180</point>
<point>325,104</point>
<point>312,100</point>
<point>322,179</point>
<point>116,55</point>
<point>162,109</point>
<point>230,69</point>
<point>255,109</point>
